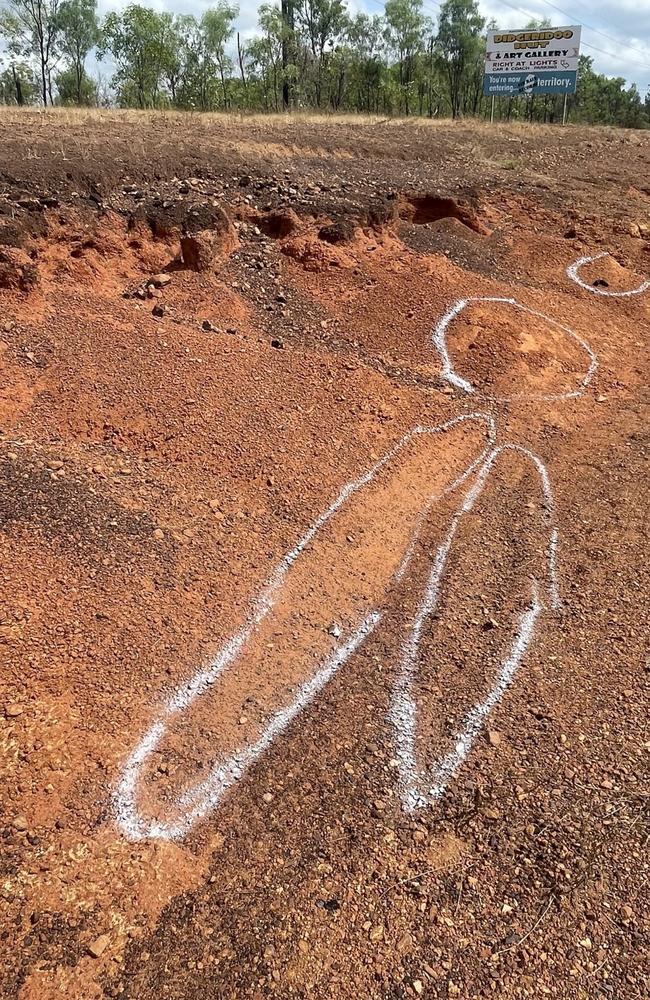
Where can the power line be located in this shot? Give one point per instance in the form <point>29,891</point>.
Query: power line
<point>597,31</point>
<point>531,17</point>
<point>611,55</point>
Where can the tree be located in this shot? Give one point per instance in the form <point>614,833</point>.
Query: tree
<point>138,39</point>
<point>459,43</point>
<point>72,90</point>
<point>268,53</point>
<point>18,84</point>
<point>404,34</point>
<point>366,36</point>
<point>31,26</point>
<point>78,31</point>
<point>217,28</point>
<point>321,22</point>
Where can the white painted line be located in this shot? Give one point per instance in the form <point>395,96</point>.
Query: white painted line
<point>421,786</point>
<point>573,269</point>
<point>439,337</point>
<point>204,796</point>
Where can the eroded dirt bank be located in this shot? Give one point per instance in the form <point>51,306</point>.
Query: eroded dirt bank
<point>265,733</point>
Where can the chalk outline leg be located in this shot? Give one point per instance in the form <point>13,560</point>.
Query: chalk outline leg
<point>206,795</point>
<point>420,787</point>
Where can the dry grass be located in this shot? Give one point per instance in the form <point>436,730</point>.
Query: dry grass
<point>271,122</point>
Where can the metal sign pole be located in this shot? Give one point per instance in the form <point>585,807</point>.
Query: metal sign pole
<point>564,110</point>
<point>492,110</point>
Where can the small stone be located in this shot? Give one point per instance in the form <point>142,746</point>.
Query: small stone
<point>267,797</point>
<point>405,943</point>
<point>243,719</point>
<point>586,943</point>
<point>506,909</point>
<point>417,986</point>
<point>158,533</point>
<point>160,280</point>
<point>303,946</point>
<point>99,945</point>
<point>159,311</point>
<point>20,823</point>
<point>278,343</point>
<point>214,504</point>
<point>376,932</point>
<point>13,711</point>
<point>601,399</point>
<point>494,738</point>
<point>207,326</point>
<point>335,630</point>
<point>627,912</point>
<point>55,465</point>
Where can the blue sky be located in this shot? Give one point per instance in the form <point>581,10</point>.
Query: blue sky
<point>619,41</point>
<point>618,36</point>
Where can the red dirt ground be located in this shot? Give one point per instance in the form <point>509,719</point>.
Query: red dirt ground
<point>163,449</point>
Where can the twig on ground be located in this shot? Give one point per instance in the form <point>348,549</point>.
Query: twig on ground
<point>528,932</point>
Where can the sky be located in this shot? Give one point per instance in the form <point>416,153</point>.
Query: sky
<point>618,36</point>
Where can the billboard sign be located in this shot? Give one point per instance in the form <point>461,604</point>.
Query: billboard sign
<point>525,63</point>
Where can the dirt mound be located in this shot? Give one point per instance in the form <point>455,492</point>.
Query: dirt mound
<point>17,270</point>
<point>314,255</point>
<point>382,212</point>
<point>341,231</point>
<point>503,349</point>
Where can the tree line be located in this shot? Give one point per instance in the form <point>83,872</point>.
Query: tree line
<point>311,54</point>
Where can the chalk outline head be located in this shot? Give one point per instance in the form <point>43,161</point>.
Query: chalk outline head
<point>439,338</point>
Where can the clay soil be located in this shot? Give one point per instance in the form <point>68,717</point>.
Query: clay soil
<point>208,326</point>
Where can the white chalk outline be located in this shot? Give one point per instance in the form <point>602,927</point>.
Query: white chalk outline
<point>206,795</point>
<point>421,787</point>
<point>439,338</point>
<point>572,272</point>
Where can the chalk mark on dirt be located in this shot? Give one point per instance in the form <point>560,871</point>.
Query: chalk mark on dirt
<point>203,797</point>
<point>573,273</point>
<point>439,338</point>
<point>421,787</point>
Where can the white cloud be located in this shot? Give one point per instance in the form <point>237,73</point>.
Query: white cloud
<point>619,45</point>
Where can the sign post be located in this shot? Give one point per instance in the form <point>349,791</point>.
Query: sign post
<point>526,63</point>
